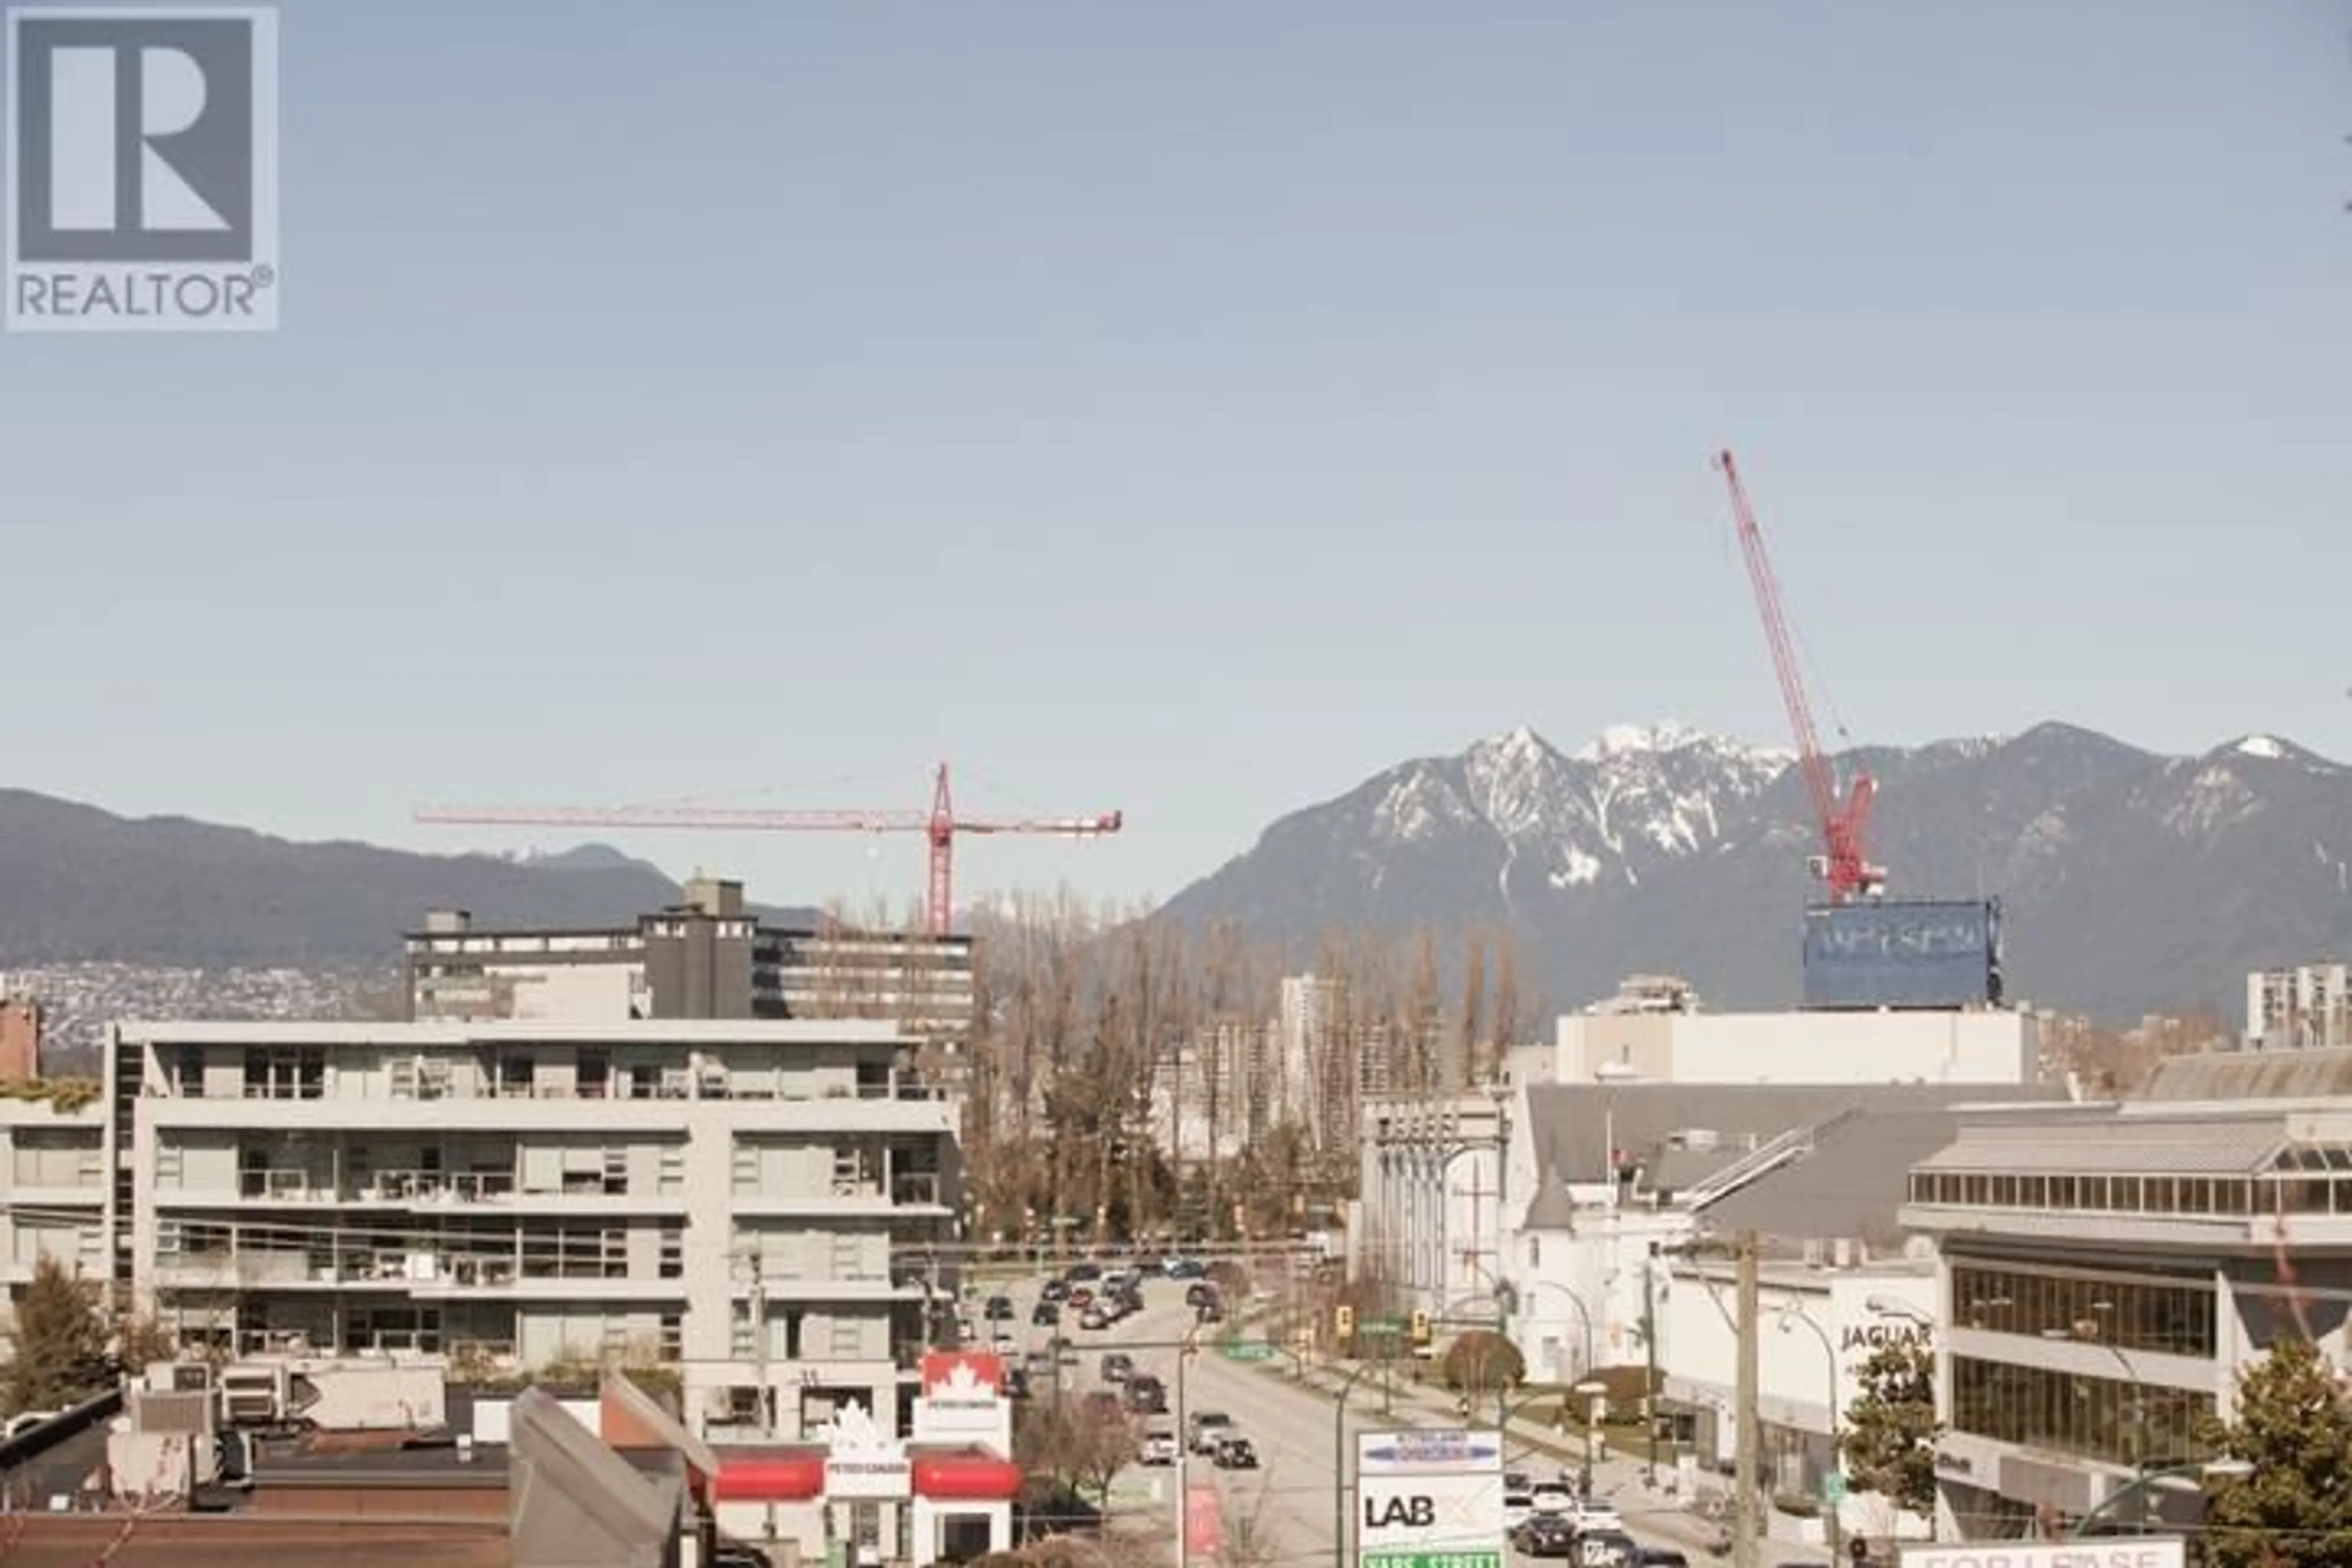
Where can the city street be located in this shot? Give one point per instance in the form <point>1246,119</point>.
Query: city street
<point>1282,1513</point>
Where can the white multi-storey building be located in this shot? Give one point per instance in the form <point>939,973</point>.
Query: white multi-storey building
<point>53,1181</point>
<point>750,1200</point>
<point>2304,1008</point>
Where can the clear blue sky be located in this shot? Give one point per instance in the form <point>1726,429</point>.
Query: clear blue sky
<point>1194,409</point>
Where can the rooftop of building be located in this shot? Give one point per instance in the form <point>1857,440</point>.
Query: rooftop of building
<point>241,1540</point>
<point>2216,1114</point>
<point>635,1031</point>
<point>1573,1124</point>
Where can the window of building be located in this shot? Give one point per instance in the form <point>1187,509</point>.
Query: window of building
<point>286,1073</point>
<point>2167,1317</point>
<point>2094,1417</point>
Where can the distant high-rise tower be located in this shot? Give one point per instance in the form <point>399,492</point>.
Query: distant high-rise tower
<point>20,1032</point>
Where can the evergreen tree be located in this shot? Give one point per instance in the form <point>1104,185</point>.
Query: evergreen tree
<point>60,1341</point>
<point>1889,1446</point>
<point>2295,1428</point>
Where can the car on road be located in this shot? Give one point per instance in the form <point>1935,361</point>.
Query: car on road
<point>1589,1514</point>
<point>1554,1497</point>
<point>1094,1319</point>
<point>1046,1315</point>
<point>1234,1454</point>
<point>1607,1548</point>
<point>1117,1367</point>
<point>1205,1430</point>
<point>1081,1295</point>
<point>1000,1309</point>
<point>1663,1557</point>
<point>1518,1498</point>
<point>1056,1290</point>
<point>1159,1447</point>
<point>1184,1268</point>
<point>1146,1394</point>
<point>1546,1535</point>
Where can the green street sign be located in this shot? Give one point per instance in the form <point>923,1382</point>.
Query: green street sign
<point>1431,1559</point>
<point>1384,1325</point>
<point>1833,1488</point>
<point>1247,1350</point>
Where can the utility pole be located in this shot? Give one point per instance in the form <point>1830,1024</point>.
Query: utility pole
<point>1745,1524</point>
<point>1650,1349</point>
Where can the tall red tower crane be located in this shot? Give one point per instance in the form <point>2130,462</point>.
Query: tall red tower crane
<point>939,826</point>
<point>1845,861</point>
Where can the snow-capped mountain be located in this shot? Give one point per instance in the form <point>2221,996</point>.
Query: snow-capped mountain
<point>2131,881</point>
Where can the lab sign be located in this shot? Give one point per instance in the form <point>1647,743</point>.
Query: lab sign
<point>2137,1552</point>
<point>1429,1501</point>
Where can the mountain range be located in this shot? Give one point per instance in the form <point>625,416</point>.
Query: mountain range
<point>78,883</point>
<point>2131,882</point>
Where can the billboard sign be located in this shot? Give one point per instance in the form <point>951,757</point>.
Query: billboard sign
<point>2112,1551</point>
<point>1915,954</point>
<point>1429,1499</point>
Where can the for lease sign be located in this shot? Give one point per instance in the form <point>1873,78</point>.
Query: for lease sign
<point>2139,1551</point>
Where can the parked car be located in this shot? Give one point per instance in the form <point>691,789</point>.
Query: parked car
<point>1185,1269</point>
<point>1004,1343</point>
<point>1200,1293</point>
<point>1056,1290</point>
<point>1117,1367</point>
<point>1094,1318</point>
<point>1663,1557</point>
<point>1159,1447</point>
<point>1045,1316</point>
<point>1082,1273</point>
<point>1146,1394</point>
<point>1000,1308</point>
<point>1081,1295</point>
<point>1204,1428</point>
<point>1236,1454</point>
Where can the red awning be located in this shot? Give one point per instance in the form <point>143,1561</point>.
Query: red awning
<point>794,1477</point>
<point>966,1478</point>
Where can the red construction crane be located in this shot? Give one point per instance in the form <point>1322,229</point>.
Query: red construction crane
<point>939,826</point>
<point>1844,862</point>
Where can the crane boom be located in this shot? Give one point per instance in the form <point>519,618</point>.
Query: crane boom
<point>939,826</point>
<point>1844,862</point>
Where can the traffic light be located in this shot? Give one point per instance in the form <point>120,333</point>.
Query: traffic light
<point>1421,1328</point>
<point>1343,1322</point>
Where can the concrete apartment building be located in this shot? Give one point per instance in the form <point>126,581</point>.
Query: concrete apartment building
<point>2107,1271</point>
<point>709,957</point>
<point>2306,1007</point>
<point>748,1199</point>
<point>53,1193</point>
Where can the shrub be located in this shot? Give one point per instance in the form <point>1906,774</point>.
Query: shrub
<point>1482,1362</point>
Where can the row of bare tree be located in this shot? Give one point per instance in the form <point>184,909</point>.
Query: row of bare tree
<point>1129,1076</point>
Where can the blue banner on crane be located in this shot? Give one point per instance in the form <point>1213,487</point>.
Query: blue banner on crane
<point>1913,954</point>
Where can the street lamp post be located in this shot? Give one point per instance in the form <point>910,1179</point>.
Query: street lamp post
<point>1791,1315</point>
<point>2148,1480</point>
<point>1340,1468</point>
<point>1185,1352</point>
